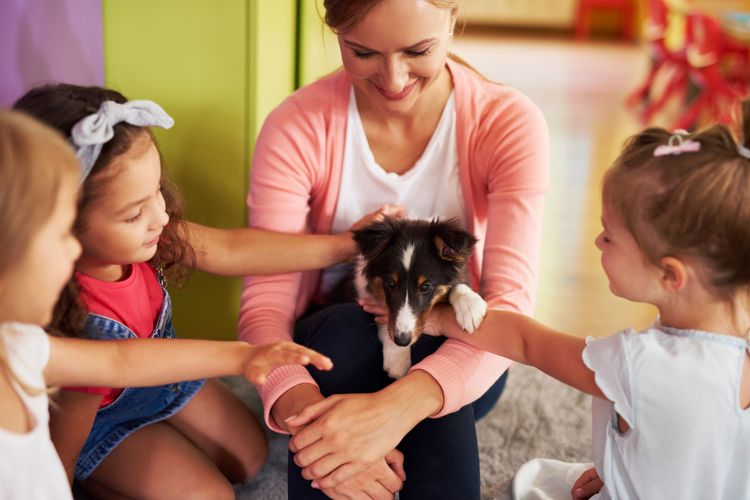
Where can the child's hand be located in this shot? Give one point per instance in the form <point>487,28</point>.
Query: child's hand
<point>396,211</point>
<point>587,485</point>
<point>434,321</point>
<point>263,359</point>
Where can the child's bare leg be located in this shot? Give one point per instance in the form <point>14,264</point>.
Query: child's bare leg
<point>158,462</point>
<point>221,426</point>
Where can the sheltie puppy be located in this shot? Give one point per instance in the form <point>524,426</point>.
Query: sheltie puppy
<point>410,265</point>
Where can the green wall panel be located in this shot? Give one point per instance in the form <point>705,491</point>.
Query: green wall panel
<point>217,68</point>
<point>318,48</point>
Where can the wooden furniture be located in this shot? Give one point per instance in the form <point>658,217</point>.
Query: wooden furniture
<point>625,8</point>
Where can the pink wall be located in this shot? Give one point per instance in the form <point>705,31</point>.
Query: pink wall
<point>49,40</point>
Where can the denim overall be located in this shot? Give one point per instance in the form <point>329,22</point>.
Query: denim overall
<point>135,407</point>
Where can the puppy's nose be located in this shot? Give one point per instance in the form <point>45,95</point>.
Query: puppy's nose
<point>402,339</point>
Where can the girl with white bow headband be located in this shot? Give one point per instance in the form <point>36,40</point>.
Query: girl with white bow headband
<point>130,226</point>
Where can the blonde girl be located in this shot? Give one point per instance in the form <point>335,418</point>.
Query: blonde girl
<point>130,227</point>
<point>670,406</point>
<point>37,251</point>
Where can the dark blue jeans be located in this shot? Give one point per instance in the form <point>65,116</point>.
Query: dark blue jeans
<point>441,457</point>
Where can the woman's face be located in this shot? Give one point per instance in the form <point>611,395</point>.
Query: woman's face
<point>397,52</point>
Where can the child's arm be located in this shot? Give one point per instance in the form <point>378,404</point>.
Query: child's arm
<point>248,251</point>
<point>526,341</point>
<point>148,362</point>
<point>71,416</point>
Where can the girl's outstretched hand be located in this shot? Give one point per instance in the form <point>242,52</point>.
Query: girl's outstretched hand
<point>263,359</point>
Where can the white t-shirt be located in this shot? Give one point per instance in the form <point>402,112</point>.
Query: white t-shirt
<point>29,465</point>
<point>431,188</point>
<point>679,392</point>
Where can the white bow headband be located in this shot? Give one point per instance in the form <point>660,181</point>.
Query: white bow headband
<point>93,131</point>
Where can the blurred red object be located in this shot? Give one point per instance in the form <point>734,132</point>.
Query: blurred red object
<point>717,67</point>
<point>671,65</point>
<point>625,7</point>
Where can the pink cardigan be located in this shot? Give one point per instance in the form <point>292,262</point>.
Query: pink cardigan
<point>503,154</point>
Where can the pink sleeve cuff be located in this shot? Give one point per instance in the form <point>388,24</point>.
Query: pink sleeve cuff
<point>461,387</point>
<point>279,381</point>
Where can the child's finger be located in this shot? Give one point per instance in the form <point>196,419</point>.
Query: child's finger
<point>303,356</point>
<point>396,211</point>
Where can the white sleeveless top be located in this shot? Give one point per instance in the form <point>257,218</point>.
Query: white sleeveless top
<point>29,464</point>
<point>431,188</point>
<point>688,439</point>
<point>679,392</point>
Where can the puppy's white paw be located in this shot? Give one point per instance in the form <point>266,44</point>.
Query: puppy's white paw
<point>396,360</point>
<point>469,307</point>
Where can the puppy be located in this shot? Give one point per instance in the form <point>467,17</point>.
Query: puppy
<point>410,265</point>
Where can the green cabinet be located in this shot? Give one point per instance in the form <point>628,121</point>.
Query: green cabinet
<point>218,68</point>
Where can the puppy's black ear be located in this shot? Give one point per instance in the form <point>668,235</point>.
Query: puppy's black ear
<point>453,242</point>
<point>374,237</point>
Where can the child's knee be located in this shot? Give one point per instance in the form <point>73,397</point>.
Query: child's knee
<point>248,467</point>
<point>220,489</point>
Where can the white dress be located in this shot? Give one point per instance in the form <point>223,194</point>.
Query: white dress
<point>29,465</point>
<point>678,390</point>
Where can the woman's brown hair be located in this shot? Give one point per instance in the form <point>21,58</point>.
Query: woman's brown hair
<point>62,106</point>
<point>343,15</point>
<point>693,205</point>
<point>34,162</point>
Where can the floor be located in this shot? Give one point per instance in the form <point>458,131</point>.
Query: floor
<point>580,88</point>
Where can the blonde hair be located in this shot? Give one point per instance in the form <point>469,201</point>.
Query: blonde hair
<point>34,161</point>
<point>692,205</point>
<point>343,15</point>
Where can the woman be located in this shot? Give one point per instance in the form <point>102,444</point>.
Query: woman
<point>406,124</point>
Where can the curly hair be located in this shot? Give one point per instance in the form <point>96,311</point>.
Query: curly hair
<point>62,106</point>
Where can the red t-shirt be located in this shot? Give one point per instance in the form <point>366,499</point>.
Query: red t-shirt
<point>134,301</point>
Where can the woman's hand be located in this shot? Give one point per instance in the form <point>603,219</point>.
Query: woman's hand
<point>261,360</point>
<point>376,308</point>
<point>381,481</point>
<point>587,485</point>
<point>346,434</point>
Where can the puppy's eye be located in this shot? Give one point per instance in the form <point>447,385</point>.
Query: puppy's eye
<point>389,284</point>
<point>425,287</point>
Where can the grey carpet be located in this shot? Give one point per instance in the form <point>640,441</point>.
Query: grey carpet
<point>536,417</point>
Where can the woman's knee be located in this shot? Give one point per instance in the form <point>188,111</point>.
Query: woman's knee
<point>348,335</point>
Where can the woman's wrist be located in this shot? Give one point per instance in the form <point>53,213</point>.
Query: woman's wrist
<point>416,397</point>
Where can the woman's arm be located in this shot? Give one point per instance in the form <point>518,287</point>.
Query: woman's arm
<point>149,362</point>
<point>249,251</point>
<point>508,151</point>
<point>526,341</point>
<point>288,153</point>
<point>331,452</point>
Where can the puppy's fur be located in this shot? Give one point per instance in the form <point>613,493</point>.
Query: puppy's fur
<point>410,265</point>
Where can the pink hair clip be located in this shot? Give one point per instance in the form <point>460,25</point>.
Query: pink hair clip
<point>677,145</point>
